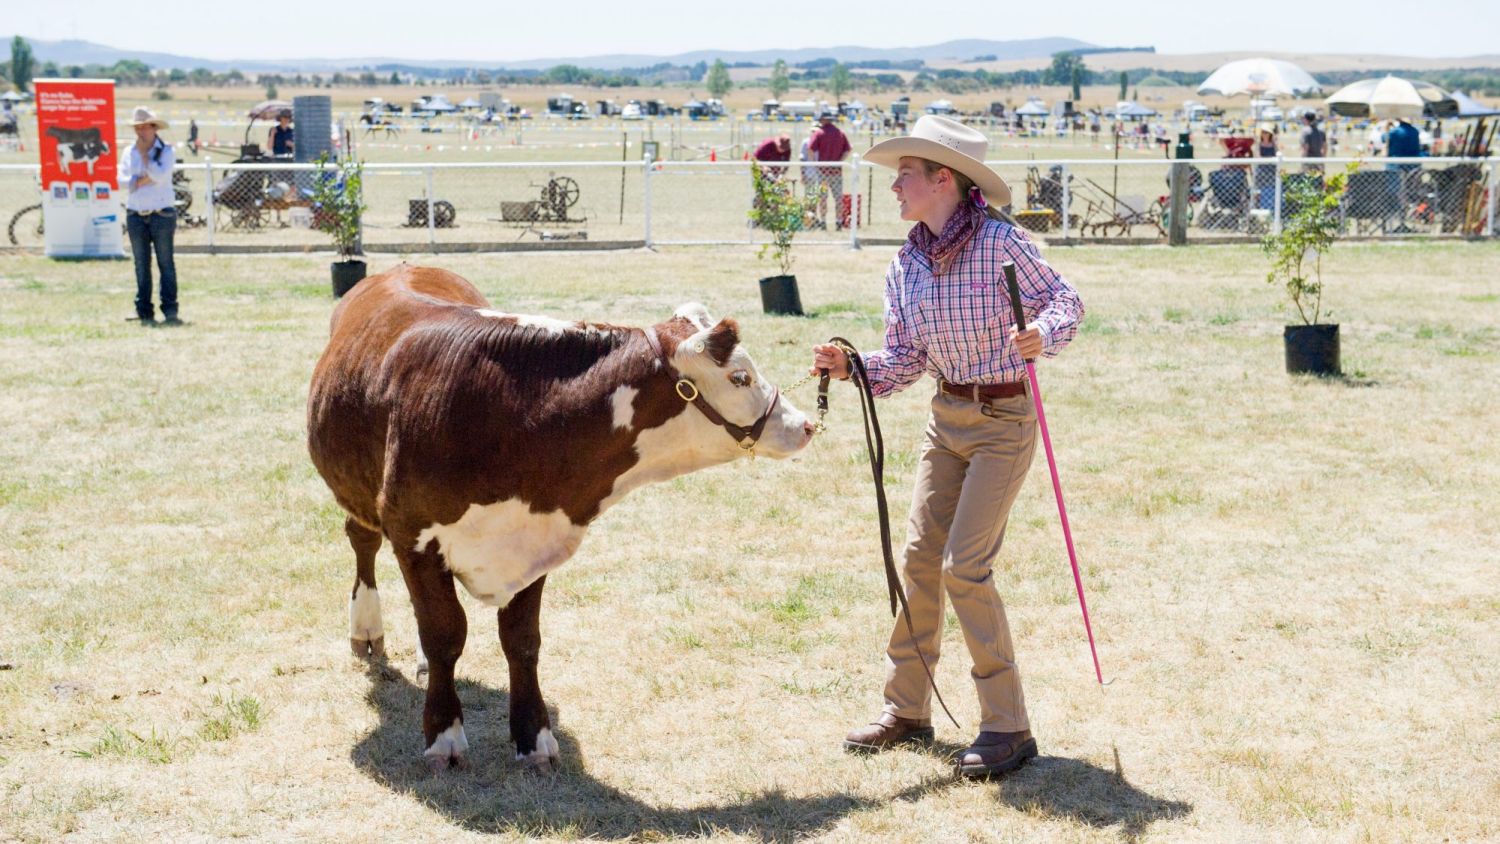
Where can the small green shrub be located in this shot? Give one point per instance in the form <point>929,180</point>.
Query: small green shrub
<point>1311,227</point>
<point>778,210</point>
<point>338,202</point>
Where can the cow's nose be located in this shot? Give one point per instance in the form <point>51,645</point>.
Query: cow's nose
<point>808,428</point>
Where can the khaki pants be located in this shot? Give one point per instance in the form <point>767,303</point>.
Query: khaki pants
<point>971,469</point>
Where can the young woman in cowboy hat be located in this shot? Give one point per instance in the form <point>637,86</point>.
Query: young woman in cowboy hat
<point>948,315</point>
<point>151,215</point>
<point>282,137</point>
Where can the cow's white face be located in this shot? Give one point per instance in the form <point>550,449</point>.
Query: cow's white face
<point>726,375</point>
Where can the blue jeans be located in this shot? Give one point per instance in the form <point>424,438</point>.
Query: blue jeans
<point>147,233</point>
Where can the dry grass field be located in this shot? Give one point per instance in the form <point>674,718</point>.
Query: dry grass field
<point>1293,580</point>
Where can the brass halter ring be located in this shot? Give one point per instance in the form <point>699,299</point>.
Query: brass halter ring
<point>684,395</point>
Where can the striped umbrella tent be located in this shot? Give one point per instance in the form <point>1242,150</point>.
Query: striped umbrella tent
<point>1392,96</point>
<point>1033,108</point>
<point>269,109</point>
<point>1470,107</point>
<point>1259,77</point>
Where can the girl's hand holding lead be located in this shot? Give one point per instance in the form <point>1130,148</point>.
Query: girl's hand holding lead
<point>832,358</point>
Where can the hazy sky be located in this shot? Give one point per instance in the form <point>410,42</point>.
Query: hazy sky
<point>496,32</point>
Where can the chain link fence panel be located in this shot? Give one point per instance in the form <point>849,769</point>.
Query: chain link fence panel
<point>488,204</point>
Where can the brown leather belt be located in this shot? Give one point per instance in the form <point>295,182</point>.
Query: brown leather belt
<point>983,392</point>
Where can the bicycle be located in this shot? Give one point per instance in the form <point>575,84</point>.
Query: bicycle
<point>27,228</point>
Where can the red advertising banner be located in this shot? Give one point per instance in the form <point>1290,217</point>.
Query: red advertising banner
<point>76,124</point>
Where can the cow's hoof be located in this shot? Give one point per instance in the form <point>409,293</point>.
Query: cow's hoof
<point>449,750</point>
<point>441,765</point>
<point>546,759</point>
<point>540,764</point>
<point>368,648</point>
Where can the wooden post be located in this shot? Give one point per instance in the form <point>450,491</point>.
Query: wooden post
<point>1181,177</point>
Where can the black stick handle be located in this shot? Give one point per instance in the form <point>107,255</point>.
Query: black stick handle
<point>1014,289</point>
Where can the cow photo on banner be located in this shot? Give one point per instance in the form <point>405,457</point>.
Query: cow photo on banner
<point>76,124</point>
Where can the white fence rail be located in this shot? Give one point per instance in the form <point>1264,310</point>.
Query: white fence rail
<point>479,205</point>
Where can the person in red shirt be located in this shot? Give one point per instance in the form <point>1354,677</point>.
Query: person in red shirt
<point>828,143</point>
<point>774,149</point>
<point>778,148</point>
<point>1238,146</point>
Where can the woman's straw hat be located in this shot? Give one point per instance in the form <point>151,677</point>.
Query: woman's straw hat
<point>949,143</point>
<point>144,116</point>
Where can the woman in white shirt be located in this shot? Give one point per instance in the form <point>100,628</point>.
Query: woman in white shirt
<point>151,215</point>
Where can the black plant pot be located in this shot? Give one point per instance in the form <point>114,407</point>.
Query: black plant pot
<point>778,295</point>
<point>346,274</point>
<point>1312,349</point>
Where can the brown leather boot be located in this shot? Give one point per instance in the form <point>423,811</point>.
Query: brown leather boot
<point>889,731</point>
<point>996,753</point>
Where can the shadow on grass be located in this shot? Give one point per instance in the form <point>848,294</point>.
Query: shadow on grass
<point>1355,379</point>
<point>1342,379</point>
<point>1057,787</point>
<point>495,795</point>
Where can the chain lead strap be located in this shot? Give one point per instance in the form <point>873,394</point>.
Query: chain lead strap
<point>820,426</point>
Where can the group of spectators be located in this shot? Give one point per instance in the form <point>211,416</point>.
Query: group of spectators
<point>1396,138</point>
<point>1314,141</point>
<point>1399,138</point>
<point>825,143</point>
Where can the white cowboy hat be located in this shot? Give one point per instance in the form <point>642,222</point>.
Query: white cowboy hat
<point>950,144</point>
<point>144,115</point>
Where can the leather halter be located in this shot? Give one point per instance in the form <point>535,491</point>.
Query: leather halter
<point>689,392</point>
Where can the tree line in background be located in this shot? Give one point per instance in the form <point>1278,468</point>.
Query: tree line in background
<point>826,74</point>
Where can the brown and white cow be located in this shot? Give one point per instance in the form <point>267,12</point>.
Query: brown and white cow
<point>482,444</point>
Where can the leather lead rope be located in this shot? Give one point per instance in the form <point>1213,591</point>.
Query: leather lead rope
<point>875,446</point>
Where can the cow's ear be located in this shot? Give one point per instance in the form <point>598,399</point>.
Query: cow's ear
<point>696,314</point>
<point>722,339</point>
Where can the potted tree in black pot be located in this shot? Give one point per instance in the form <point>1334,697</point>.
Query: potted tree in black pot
<point>778,210</point>
<point>1310,221</point>
<point>338,202</point>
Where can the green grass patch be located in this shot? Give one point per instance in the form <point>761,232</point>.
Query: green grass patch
<point>230,715</point>
<point>154,747</point>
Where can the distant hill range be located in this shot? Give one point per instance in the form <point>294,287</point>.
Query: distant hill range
<point>86,52</point>
<point>965,54</point>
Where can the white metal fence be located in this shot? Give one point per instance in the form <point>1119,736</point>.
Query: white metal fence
<point>479,205</point>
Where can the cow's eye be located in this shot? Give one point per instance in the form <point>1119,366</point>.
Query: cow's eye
<point>740,378</point>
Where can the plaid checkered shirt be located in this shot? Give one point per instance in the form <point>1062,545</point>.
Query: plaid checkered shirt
<point>957,326</point>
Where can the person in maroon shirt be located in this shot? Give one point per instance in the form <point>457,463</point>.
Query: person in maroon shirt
<point>828,143</point>
<point>1238,146</point>
<point>778,148</point>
